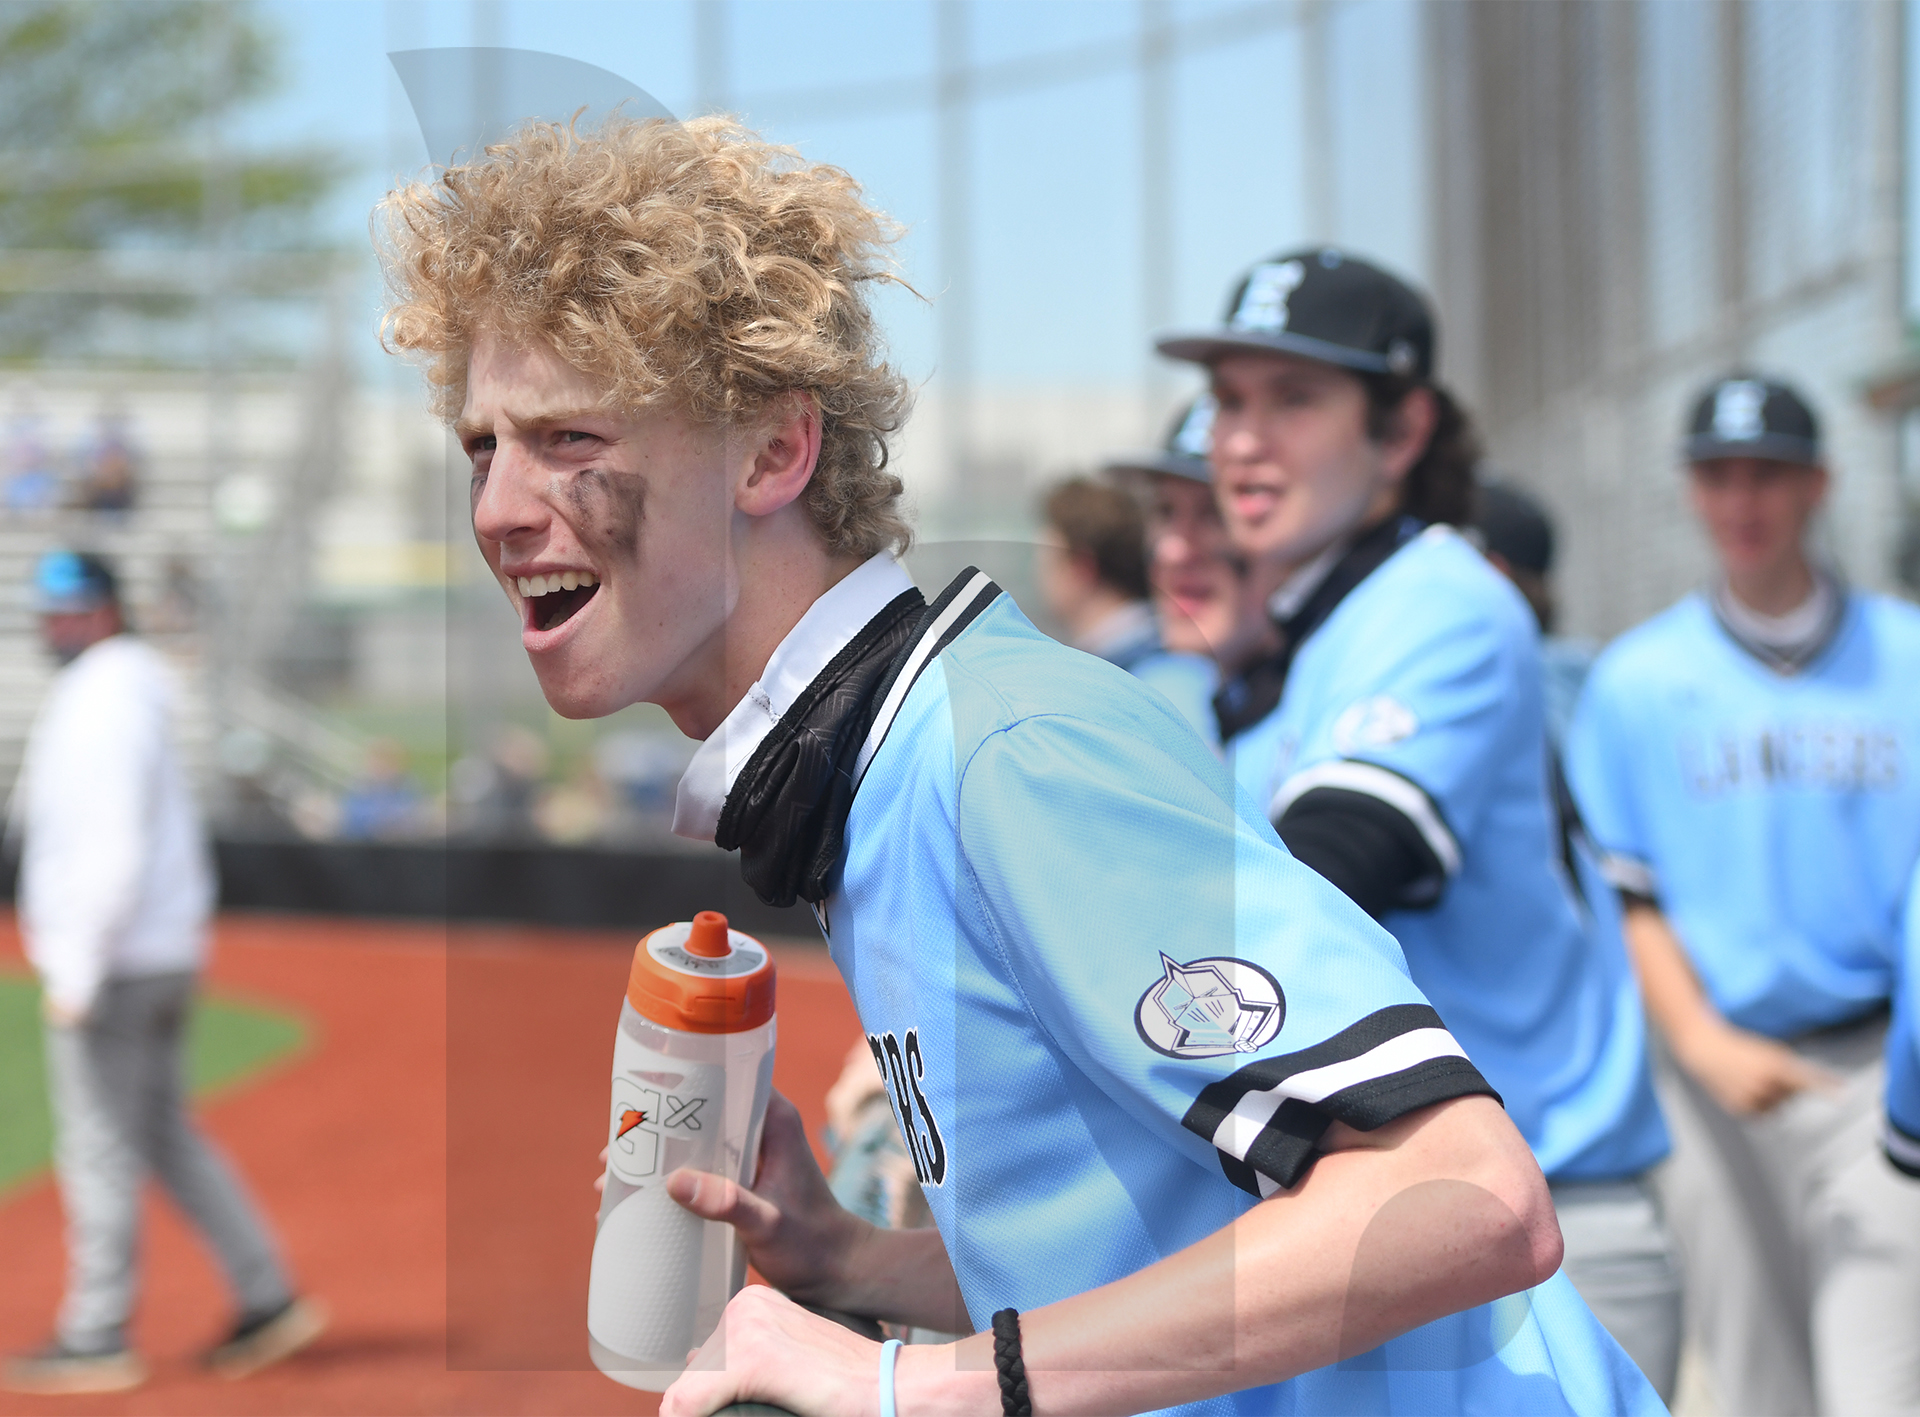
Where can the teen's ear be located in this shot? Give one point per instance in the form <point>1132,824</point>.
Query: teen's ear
<point>1409,432</point>
<point>782,451</point>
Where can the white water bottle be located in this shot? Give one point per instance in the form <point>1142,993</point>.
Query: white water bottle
<point>692,1072</point>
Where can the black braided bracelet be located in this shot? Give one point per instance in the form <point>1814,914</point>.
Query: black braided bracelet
<point>1014,1401</point>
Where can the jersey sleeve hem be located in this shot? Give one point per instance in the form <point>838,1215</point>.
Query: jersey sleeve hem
<point>1629,874</point>
<point>1903,1149</point>
<point>1266,1119</point>
<point>1372,851</point>
<point>1401,793</point>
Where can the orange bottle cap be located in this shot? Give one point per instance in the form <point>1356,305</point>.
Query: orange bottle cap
<point>708,936</point>
<point>699,976</point>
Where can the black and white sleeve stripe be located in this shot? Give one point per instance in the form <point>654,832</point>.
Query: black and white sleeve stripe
<point>1903,1149</point>
<point>1266,1119</point>
<point>1385,786</point>
<point>1629,876</point>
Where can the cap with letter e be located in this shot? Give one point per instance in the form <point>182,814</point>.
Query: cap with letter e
<point>1184,453</point>
<point>1746,416</point>
<point>72,583</point>
<point>1320,304</point>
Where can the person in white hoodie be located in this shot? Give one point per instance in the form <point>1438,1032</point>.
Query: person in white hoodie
<point>116,888</point>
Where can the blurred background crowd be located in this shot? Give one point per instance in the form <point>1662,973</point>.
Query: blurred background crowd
<point>1608,202</point>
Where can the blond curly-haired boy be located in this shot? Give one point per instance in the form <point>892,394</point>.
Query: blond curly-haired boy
<point>1189,1134</point>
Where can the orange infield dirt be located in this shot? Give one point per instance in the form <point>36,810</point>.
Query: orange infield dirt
<point>374,1172</point>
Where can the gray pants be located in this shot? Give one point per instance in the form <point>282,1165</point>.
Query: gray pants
<point>119,1110</point>
<point>1801,1243</point>
<point>1623,1261</point>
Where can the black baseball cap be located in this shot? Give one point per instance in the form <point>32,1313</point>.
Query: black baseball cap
<point>1746,416</point>
<point>1321,304</point>
<point>1184,454</point>
<point>1514,527</point>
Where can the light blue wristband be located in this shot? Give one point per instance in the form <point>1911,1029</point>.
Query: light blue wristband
<point>889,1351</point>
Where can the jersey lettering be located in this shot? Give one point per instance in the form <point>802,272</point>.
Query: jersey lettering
<point>917,1069</point>
<point>902,1068</point>
<point>1837,757</point>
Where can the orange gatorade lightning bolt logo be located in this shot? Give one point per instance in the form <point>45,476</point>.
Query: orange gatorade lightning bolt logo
<point>634,1151</point>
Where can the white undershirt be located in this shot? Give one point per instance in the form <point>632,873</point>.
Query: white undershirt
<point>1784,634</point>
<point>1295,590</point>
<point>828,627</point>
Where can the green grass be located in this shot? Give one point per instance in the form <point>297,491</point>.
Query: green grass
<point>433,736</point>
<point>226,1043</point>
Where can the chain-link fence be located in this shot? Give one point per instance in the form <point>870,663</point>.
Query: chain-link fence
<point>1608,201</point>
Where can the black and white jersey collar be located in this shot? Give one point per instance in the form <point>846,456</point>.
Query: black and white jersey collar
<point>959,605</point>
<point>828,627</point>
<point>1314,593</point>
<point>785,806</point>
<point>1785,643</point>
<point>1298,588</point>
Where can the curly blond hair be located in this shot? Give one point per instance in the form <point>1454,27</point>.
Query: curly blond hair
<point>688,264</point>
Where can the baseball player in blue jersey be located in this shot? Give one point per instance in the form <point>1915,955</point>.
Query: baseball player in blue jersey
<point>1397,742</point>
<point>1517,536</point>
<point>1902,1136</point>
<point>1093,576</point>
<point>1194,1140</point>
<point>1200,584</point>
<point>1749,760</point>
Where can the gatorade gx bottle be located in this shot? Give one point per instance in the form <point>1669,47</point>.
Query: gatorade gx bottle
<point>692,1071</point>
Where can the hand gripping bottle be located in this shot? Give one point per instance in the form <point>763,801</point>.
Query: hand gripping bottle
<point>692,1071</point>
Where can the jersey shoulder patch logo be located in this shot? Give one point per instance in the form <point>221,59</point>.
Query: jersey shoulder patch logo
<point>1377,722</point>
<point>1210,1007</point>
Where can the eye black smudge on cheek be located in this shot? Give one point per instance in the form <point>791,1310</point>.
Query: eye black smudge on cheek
<point>610,507</point>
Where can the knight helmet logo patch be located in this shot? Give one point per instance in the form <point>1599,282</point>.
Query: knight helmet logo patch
<point>1210,1007</point>
<point>1378,722</point>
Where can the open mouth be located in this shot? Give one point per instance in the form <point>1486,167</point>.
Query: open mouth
<point>1253,500</point>
<point>554,599</point>
<point>1191,600</point>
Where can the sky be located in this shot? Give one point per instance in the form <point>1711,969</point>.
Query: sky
<point>1055,202</point>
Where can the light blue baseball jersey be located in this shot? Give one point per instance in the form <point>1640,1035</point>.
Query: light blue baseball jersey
<point>1423,690</point>
<point>1903,1046</point>
<point>1565,662</point>
<point>1189,682</point>
<point>1775,817</point>
<point>1113,1012</point>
